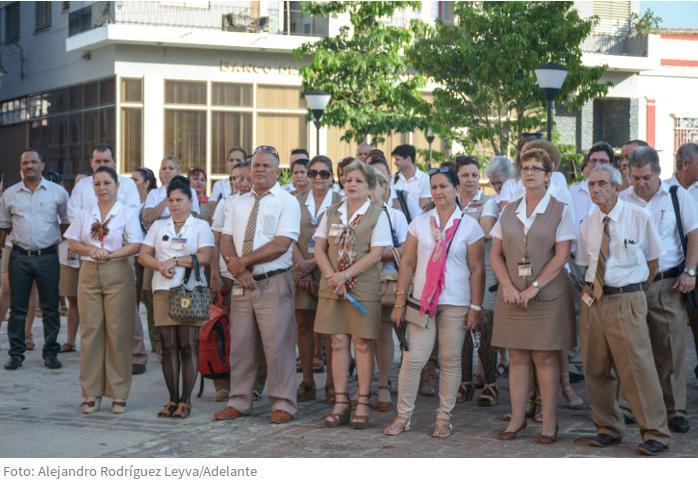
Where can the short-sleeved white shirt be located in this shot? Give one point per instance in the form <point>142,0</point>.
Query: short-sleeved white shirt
<point>399,222</point>
<point>161,236</point>
<point>692,189</point>
<point>633,242</point>
<point>122,223</point>
<point>221,189</point>
<point>564,232</point>
<point>217,224</point>
<point>279,214</point>
<point>412,205</point>
<point>664,220</point>
<point>456,289</point>
<point>156,196</point>
<point>324,205</point>
<point>381,232</point>
<point>490,208</point>
<point>417,187</point>
<point>83,196</point>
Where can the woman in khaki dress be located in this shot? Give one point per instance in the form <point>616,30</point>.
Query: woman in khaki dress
<point>105,236</point>
<point>167,249</point>
<point>313,205</point>
<point>349,244</point>
<point>534,313</point>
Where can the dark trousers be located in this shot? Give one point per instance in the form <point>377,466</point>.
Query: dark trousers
<point>23,271</point>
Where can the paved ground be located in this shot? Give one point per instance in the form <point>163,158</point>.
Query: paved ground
<point>39,410</point>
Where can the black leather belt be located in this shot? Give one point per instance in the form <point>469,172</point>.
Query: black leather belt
<point>264,276</point>
<point>638,287</point>
<point>44,251</point>
<point>671,273</point>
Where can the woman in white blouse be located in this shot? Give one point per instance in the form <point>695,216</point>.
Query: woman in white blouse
<point>168,249</point>
<point>444,252</point>
<point>155,206</point>
<point>104,236</point>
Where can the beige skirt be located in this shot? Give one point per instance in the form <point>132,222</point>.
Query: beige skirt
<point>161,309</point>
<point>341,317</point>
<point>544,326</point>
<point>68,281</point>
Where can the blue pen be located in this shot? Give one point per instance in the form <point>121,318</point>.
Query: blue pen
<point>352,300</point>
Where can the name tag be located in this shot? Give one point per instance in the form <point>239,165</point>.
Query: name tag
<point>336,229</point>
<point>178,243</point>
<point>236,290</point>
<point>311,247</point>
<point>587,298</point>
<point>524,267</point>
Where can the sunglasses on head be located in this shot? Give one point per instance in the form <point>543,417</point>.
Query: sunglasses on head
<point>439,170</point>
<point>536,135</point>
<point>266,149</point>
<point>324,174</point>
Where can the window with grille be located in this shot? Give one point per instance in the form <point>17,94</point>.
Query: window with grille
<point>685,130</point>
<point>42,16</point>
<point>12,22</point>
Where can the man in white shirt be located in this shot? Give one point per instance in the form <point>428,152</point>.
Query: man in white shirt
<point>667,317</point>
<point>624,159</point>
<point>409,178</point>
<point>34,211</point>
<point>686,176</point>
<point>256,243</point>
<point>224,187</point>
<point>620,247</point>
<point>82,197</point>
<point>362,151</point>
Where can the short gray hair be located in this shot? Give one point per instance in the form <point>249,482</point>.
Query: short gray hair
<point>686,154</point>
<point>499,166</point>
<point>642,156</point>
<point>614,175</point>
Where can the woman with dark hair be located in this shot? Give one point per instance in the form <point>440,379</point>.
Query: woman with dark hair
<point>197,179</point>
<point>444,252</point>
<point>168,249</point>
<point>145,181</point>
<point>105,236</point>
<point>313,203</point>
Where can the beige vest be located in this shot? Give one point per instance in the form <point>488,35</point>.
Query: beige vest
<point>538,246</point>
<point>368,284</point>
<point>308,229</point>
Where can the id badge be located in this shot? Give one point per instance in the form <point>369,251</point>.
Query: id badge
<point>587,298</point>
<point>524,267</point>
<point>336,229</point>
<point>179,244</point>
<point>311,247</point>
<point>237,290</point>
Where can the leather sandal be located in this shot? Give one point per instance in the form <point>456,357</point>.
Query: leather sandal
<point>90,405</point>
<point>167,409</point>
<point>442,429</point>
<point>398,426</point>
<point>306,392</point>
<point>385,401</point>
<point>118,406</point>
<point>505,435</point>
<point>183,410</point>
<point>360,421</point>
<point>67,348</point>
<point>466,392</point>
<point>335,419</point>
<point>489,396</point>
<point>330,395</point>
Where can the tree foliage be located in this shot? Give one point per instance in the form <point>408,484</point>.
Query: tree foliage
<point>365,70</point>
<point>484,66</point>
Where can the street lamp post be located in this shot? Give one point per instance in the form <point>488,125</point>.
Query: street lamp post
<point>430,139</point>
<point>550,78</point>
<point>317,102</point>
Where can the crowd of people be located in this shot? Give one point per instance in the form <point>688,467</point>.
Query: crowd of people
<point>528,278</point>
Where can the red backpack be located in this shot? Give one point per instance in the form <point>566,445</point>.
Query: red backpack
<point>214,343</point>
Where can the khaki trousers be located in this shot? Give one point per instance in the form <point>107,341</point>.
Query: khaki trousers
<point>667,320</point>
<point>106,302</point>
<point>450,324</point>
<point>265,313</point>
<point>615,336</point>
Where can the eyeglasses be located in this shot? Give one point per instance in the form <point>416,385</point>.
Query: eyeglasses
<point>324,174</point>
<point>532,169</point>
<point>536,135</point>
<point>439,170</point>
<point>599,161</point>
<point>266,149</point>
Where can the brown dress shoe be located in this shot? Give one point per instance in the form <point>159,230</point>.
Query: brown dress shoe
<point>228,413</point>
<point>280,417</point>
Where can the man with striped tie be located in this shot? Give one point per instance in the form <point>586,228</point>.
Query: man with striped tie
<point>620,248</point>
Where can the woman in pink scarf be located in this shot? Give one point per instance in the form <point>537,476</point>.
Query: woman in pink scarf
<point>444,252</point>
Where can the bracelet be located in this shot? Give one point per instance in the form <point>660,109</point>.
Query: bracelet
<point>398,306</point>
<point>347,276</point>
<point>398,293</point>
<point>475,307</point>
<point>175,260</point>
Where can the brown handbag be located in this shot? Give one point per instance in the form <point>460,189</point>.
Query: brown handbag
<point>189,306</point>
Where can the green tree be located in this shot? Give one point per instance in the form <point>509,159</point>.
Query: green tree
<point>365,70</point>
<point>484,66</point>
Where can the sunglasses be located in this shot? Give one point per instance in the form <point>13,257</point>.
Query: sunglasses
<point>324,174</point>
<point>536,135</point>
<point>266,149</point>
<point>439,170</point>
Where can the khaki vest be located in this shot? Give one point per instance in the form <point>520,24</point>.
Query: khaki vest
<point>307,228</point>
<point>538,246</point>
<point>368,284</point>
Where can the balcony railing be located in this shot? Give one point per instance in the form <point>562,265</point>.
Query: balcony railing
<point>616,45</point>
<point>226,16</point>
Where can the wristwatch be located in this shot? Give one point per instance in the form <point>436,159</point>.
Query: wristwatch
<point>536,284</point>
<point>690,271</point>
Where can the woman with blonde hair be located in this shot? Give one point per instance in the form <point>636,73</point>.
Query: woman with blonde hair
<point>155,206</point>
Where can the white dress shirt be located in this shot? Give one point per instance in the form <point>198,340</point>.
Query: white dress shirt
<point>633,242</point>
<point>692,189</point>
<point>324,205</point>
<point>217,224</point>
<point>279,214</point>
<point>664,220</point>
<point>220,190</point>
<point>583,205</point>
<point>456,290</point>
<point>490,208</point>
<point>193,235</point>
<point>83,196</point>
<point>122,222</point>
<point>564,232</point>
<point>156,196</point>
<point>399,223</point>
<point>381,232</point>
<point>34,216</point>
<point>417,187</point>
<point>412,205</point>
